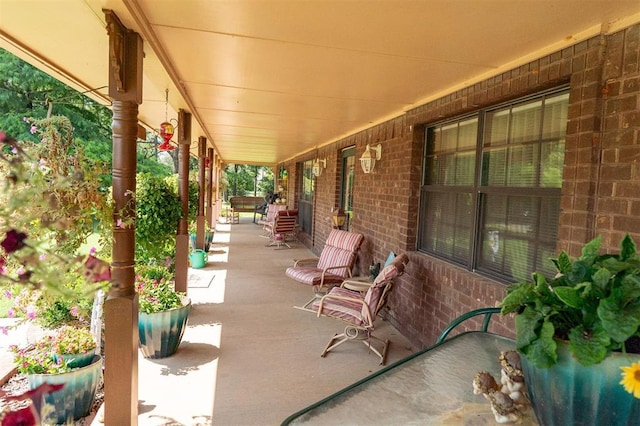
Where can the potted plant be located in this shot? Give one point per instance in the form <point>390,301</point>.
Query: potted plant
<point>64,357</point>
<point>579,332</point>
<point>163,312</point>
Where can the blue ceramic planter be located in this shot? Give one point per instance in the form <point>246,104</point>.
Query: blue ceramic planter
<point>161,332</point>
<point>76,360</point>
<point>570,394</point>
<point>74,400</point>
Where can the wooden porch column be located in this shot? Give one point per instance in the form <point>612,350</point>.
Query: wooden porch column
<point>219,195</point>
<point>182,236</point>
<point>200,222</point>
<point>121,305</point>
<point>210,190</point>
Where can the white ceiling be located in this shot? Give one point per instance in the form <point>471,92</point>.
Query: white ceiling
<point>266,80</point>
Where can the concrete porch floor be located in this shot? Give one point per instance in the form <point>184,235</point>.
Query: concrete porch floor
<point>248,357</point>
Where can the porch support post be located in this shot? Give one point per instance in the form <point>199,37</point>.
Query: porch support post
<point>210,190</point>
<point>219,195</point>
<point>200,222</point>
<point>121,305</point>
<point>182,236</point>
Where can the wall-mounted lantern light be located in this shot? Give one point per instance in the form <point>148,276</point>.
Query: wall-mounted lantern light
<point>368,160</point>
<point>317,167</point>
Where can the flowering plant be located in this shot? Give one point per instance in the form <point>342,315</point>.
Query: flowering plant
<point>52,201</point>
<point>593,302</point>
<point>40,358</point>
<point>156,291</point>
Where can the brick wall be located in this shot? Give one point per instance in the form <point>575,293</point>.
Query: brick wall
<point>601,180</point>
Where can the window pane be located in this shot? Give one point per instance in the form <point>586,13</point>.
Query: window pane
<point>551,164</point>
<point>449,138</point>
<point>465,168</point>
<point>555,116</point>
<point>468,134</point>
<point>494,167</point>
<point>446,229</point>
<point>522,166</point>
<point>518,235</point>
<point>496,128</point>
<point>525,122</point>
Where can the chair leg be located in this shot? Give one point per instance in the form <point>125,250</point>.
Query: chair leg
<point>305,307</point>
<point>353,333</point>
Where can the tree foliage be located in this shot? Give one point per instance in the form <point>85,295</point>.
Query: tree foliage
<point>26,91</point>
<point>243,179</point>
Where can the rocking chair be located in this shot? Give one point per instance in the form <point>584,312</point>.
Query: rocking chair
<point>359,310</point>
<point>334,265</point>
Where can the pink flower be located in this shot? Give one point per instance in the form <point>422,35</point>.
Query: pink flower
<point>33,129</point>
<point>7,294</point>
<point>43,256</point>
<point>31,312</point>
<point>92,252</point>
<point>11,313</point>
<point>74,311</point>
<point>120,224</point>
<point>4,330</point>
<point>97,270</point>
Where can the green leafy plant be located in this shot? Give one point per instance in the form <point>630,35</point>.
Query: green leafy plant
<point>156,290</point>
<point>158,210</point>
<point>593,302</point>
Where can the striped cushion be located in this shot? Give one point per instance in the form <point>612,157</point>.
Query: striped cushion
<point>339,249</point>
<point>344,239</point>
<point>312,275</point>
<point>374,294</point>
<point>346,310</point>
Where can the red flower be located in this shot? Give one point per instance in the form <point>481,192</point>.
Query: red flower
<point>13,241</point>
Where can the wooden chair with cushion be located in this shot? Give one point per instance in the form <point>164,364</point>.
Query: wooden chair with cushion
<point>359,310</point>
<point>334,265</point>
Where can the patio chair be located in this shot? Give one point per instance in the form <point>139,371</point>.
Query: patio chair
<point>359,310</point>
<point>284,226</point>
<point>332,267</point>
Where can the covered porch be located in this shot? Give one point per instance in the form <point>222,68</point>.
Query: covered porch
<point>248,357</point>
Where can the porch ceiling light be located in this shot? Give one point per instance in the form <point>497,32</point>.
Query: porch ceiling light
<point>318,165</point>
<point>368,160</point>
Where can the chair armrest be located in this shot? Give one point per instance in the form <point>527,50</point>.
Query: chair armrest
<point>368,317</point>
<point>356,285</point>
<point>307,261</point>
<point>338,297</point>
<point>329,268</point>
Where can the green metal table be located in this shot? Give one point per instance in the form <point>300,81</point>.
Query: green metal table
<point>431,387</point>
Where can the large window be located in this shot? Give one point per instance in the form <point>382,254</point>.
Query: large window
<point>490,198</point>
